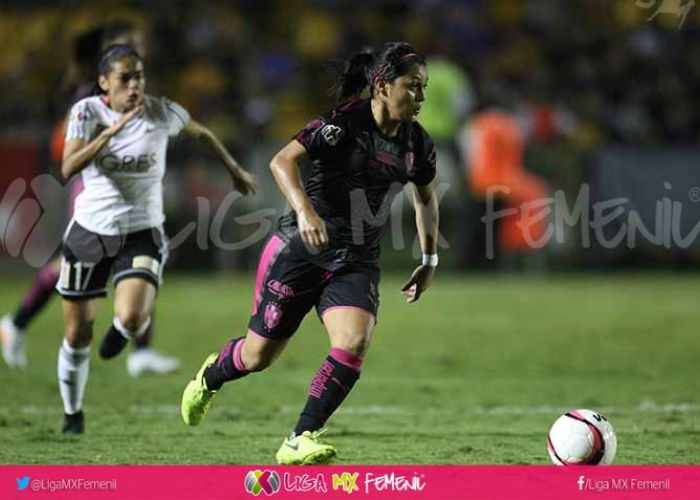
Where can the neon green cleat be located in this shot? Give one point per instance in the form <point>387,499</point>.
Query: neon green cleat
<point>196,399</point>
<point>305,450</point>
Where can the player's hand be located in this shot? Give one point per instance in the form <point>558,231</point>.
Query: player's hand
<point>312,229</point>
<point>119,124</point>
<point>420,280</point>
<point>243,181</point>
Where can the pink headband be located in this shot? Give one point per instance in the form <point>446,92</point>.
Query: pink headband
<point>382,70</point>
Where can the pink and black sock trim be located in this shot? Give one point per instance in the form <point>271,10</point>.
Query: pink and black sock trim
<point>228,366</point>
<point>329,388</point>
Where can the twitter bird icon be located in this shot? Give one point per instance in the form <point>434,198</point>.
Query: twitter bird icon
<point>22,483</point>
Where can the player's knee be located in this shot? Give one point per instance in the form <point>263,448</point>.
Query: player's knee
<point>78,333</point>
<point>256,361</point>
<point>355,342</point>
<point>131,320</point>
<point>257,357</point>
<point>359,346</point>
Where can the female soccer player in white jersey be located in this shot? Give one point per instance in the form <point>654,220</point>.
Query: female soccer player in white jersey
<point>118,141</point>
<point>13,327</point>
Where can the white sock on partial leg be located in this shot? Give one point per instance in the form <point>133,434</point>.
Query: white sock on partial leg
<point>131,334</point>
<point>73,369</point>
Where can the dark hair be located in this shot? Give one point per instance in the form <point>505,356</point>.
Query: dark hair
<point>86,48</point>
<point>115,53</point>
<point>363,69</point>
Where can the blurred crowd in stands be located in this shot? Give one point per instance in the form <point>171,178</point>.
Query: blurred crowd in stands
<point>595,69</point>
<point>565,78</point>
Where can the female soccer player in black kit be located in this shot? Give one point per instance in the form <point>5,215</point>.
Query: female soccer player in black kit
<point>325,252</point>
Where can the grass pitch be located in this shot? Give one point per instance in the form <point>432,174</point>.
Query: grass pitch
<point>474,373</point>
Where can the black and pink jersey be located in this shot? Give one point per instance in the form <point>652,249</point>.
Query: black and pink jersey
<point>356,173</point>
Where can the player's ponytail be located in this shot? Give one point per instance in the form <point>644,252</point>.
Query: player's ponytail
<point>363,70</point>
<point>354,78</point>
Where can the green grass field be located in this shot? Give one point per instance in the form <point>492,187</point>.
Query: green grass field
<point>474,373</point>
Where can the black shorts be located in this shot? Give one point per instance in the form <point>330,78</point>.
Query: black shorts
<point>288,286</point>
<point>89,258</point>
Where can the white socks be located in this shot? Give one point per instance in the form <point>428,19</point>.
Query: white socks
<point>131,334</point>
<point>73,368</point>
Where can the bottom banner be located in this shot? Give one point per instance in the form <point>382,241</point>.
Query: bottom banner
<point>395,482</point>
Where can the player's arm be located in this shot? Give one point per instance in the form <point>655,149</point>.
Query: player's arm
<point>285,169</point>
<point>78,152</point>
<point>243,181</point>
<point>427,217</point>
<point>427,223</point>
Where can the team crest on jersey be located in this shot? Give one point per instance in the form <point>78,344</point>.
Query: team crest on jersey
<point>273,315</point>
<point>331,134</point>
<point>409,159</point>
<point>81,116</point>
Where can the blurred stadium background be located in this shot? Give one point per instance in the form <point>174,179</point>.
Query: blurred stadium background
<point>602,97</point>
<point>593,97</point>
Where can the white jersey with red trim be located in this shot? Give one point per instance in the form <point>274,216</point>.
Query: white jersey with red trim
<point>124,182</point>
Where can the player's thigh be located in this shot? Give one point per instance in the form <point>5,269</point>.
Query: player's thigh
<point>86,263</point>
<point>143,255</point>
<point>138,270</point>
<point>134,300</point>
<point>348,307</point>
<point>349,329</point>
<point>78,318</point>
<point>286,289</point>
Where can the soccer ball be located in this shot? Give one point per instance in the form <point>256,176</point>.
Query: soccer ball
<point>582,437</point>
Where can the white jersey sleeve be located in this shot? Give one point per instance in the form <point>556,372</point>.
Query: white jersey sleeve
<point>177,116</point>
<point>82,121</point>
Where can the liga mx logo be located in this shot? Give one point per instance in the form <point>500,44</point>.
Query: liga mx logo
<point>257,481</point>
<point>331,134</point>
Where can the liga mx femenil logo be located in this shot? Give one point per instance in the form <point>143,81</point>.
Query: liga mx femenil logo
<point>267,481</point>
